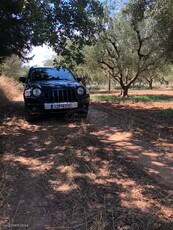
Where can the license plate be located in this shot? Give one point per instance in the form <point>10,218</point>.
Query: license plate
<point>65,105</point>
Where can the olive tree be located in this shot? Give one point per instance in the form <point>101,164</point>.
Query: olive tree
<point>11,66</point>
<point>129,46</point>
<point>156,73</point>
<point>162,12</point>
<point>89,70</point>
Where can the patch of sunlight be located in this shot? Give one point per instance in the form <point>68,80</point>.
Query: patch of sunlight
<point>151,154</point>
<point>158,164</point>
<point>103,181</point>
<point>66,185</point>
<point>34,138</point>
<point>150,170</point>
<point>62,186</point>
<point>132,196</point>
<point>31,163</point>
<point>72,126</point>
<point>119,136</point>
<point>92,148</point>
<point>19,124</point>
<point>68,170</point>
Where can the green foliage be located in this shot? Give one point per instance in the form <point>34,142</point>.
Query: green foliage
<point>130,47</point>
<point>161,11</point>
<point>49,62</point>
<point>168,113</point>
<point>89,70</point>
<point>24,70</point>
<point>168,74</point>
<point>12,67</point>
<point>35,22</point>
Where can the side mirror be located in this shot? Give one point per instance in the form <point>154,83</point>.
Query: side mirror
<point>78,78</point>
<point>23,79</point>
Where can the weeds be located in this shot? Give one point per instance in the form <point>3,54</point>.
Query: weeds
<point>136,98</point>
<point>168,113</point>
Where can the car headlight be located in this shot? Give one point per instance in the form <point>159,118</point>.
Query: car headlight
<point>36,92</point>
<point>27,93</point>
<point>80,91</point>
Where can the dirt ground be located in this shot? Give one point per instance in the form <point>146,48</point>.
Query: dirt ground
<point>112,170</point>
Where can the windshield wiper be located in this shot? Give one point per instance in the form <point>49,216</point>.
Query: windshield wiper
<point>58,78</point>
<point>64,79</point>
<point>53,78</point>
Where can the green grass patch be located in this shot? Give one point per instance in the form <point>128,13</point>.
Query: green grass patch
<point>168,112</point>
<point>137,98</point>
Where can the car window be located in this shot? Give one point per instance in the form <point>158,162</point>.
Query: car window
<point>39,74</point>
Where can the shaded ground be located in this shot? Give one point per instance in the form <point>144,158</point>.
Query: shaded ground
<point>110,171</point>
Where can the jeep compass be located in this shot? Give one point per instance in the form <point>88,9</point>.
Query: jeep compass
<point>53,90</point>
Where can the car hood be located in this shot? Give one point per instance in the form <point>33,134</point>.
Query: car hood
<point>56,83</point>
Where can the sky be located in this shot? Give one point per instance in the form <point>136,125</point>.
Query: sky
<point>41,53</point>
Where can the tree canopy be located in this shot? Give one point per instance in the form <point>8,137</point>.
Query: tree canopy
<point>133,43</point>
<point>12,67</point>
<point>24,23</point>
<point>162,12</point>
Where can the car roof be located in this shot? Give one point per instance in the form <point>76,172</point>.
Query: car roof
<point>49,67</point>
<point>44,67</point>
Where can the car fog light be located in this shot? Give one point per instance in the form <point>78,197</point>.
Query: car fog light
<point>34,109</point>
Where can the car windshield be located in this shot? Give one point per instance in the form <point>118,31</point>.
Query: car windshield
<point>41,74</point>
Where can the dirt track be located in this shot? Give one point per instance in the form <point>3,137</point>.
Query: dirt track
<point>113,170</point>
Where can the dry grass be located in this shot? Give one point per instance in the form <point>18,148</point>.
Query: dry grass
<point>9,91</point>
<point>5,192</point>
<point>8,87</point>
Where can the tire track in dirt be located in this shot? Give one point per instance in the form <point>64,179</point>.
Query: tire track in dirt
<point>149,129</point>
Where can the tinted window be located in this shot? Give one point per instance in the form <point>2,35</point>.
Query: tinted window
<point>39,74</point>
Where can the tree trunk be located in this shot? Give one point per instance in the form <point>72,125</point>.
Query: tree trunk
<point>109,83</point>
<point>124,91</point>
<point>125,87</point>
<point>150,84</point>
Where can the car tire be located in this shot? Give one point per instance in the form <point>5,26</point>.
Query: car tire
<point>83,114</point>
<point>28,116</point>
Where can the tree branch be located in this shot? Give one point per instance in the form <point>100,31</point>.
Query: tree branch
<point>115,46</point>
<point>106,64</point>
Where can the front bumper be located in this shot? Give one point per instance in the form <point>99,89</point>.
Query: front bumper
<point>37,106</point>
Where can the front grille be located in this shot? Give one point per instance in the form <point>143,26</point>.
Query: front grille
<point>60,95</point>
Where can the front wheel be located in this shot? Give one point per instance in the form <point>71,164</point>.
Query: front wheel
<point>28,116</point>
<point>83,113</point>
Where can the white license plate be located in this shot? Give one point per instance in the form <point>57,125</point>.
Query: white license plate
<point>64,105</point>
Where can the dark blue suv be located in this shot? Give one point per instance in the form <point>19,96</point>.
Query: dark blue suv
<point>53,90</point>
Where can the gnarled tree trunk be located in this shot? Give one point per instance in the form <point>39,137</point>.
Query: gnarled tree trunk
<point>124,91</point>
<point>150,82</point>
